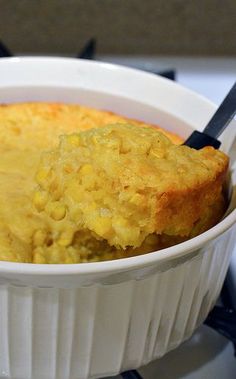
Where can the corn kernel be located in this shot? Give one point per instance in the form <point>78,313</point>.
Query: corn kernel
<point>73,192</point>
<point>88,182</point>
<point>74,139</point>
<point>66,238</point>
<point>86,169</point>
<point>57,210</point>
<point>95,140</point>
<point>101,225</point>
<point>124,231</point>
<point>71,258</point>
<point>90,207</point>
<point>42,174</point>
<point>39,237</point>
<point>120,226</point>
<point>38,256</point>
<point>40,199</point>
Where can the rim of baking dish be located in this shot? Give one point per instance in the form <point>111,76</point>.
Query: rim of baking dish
<point>130,263</point>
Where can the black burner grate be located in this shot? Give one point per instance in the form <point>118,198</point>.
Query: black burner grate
<point>87,52</point>
<point>4,51</point>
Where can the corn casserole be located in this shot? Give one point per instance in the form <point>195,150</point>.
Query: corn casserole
<point>82,185</point>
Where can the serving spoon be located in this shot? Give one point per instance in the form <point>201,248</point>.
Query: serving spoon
<point>216,125</point>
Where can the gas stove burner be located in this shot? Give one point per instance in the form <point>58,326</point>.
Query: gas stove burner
<point>132,374</point>
<point>4,51</point>
<point>89,50</point>
<point>168,74</point>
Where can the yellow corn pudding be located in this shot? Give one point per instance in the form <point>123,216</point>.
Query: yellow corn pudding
<point>83,185</point>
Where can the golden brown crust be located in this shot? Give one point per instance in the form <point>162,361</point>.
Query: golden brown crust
<point>35,120</point>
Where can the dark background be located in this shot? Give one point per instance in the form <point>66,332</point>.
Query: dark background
<point>165,27</point>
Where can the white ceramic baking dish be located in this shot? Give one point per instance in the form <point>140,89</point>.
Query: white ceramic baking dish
<point>93,320</point>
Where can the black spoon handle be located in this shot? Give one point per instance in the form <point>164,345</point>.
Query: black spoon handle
<point>219,121</point>
<point>223,115</point>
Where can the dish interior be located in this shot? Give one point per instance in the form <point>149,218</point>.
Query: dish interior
<point>100,100</point>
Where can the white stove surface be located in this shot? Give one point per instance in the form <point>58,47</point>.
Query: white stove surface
<point>207,355</point>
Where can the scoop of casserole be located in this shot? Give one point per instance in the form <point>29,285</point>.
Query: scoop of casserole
<point>123,184</point>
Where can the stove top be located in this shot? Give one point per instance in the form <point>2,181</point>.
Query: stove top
<point>206,355</point>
